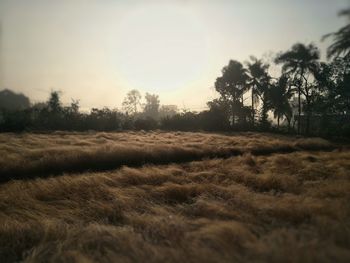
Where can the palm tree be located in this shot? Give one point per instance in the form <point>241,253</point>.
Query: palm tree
<point>232,85</point>
<point>279,96</point>
<point>299,62</point>
<point>341,39</point>
<point>263,91</point>
<point>257,71</point>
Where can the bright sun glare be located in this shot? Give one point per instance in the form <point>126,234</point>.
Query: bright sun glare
<point>161,48</point>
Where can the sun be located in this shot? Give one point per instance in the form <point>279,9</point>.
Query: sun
<point>161,48</point>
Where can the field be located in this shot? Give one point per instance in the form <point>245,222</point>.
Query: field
<point>173,197</point>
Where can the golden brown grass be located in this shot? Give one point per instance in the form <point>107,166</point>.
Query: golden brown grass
<point>254,207</point>
<point>25,156</point>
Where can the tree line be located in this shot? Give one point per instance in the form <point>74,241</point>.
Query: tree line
<point>308,97</point>
<point>17,114</point>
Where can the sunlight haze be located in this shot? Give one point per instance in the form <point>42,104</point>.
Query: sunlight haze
<point>96,51</point>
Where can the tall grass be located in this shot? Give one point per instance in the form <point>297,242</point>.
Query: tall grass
<point>290,207</point>
<point>28,156</point>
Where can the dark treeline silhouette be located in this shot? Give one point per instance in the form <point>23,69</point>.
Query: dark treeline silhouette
<point>309,97</point>
<point>52,115</point>
<point>12,101</point>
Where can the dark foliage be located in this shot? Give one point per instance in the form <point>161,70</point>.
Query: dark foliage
<point>9,100</point>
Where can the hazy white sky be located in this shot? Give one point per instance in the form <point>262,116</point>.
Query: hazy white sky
<point>97,50</point>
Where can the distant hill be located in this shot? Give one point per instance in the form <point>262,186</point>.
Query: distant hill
<point>10,100</point>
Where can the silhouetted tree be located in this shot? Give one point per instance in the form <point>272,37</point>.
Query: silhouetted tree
<point>151,107</point>
<point>279,96</point>
<point>257,71</point>
<point>259,83</point>
<point>54,104</point>
<point>72,116</point>
<point>131,102</point>
<point>299,62</point>
<point>231,86</point>
<point>333,97</point>
<point>334,81</point>
<point>10,100</point>
<point>51,115</point>
<point>341,39</point>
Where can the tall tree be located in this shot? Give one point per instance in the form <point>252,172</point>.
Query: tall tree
<point>341,39</point>
<point>131,102</point>
<point>258,76</point>
<point>333,80</point>
<point>151,107</point>
<point>54,103</point>
<point>279,96</point>
<point>299,62</point>
<point>51,114</point>
<point>232,85</point>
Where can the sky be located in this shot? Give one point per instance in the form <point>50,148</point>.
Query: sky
<point>97,50</point>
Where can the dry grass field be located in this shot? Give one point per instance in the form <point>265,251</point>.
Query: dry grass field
<point>173,197</point>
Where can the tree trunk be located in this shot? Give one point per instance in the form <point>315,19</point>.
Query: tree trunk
<point>299,99</point>
<point>308,116</point>
<point>289,121</point>
<point>308,110</point>
<point>264,115</point>
<point>299,109</point>
<point>278,121</point>
<point>253,113</point>
<point>233,114</point>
